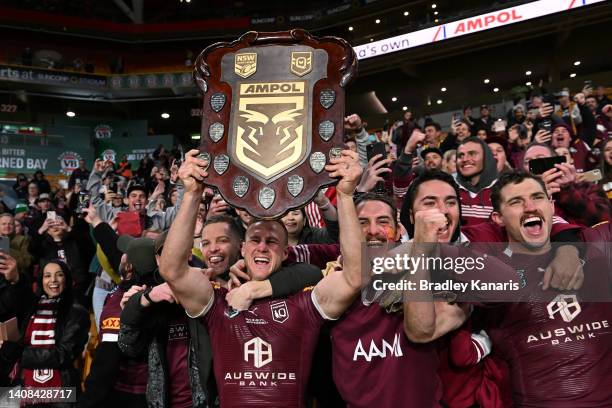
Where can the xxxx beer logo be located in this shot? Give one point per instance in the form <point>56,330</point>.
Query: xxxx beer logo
<point>111,323</point>
<point>270,133</point>
<point>245,64</point>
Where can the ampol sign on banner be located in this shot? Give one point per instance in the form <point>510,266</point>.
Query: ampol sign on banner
<point>470,25</point>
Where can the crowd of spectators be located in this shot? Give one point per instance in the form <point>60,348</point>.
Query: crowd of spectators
<point>96,246</point>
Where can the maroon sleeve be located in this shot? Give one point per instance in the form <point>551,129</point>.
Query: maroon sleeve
<point>110,317</point>
<point>462,351</point>
<point>315,254</point>
<point>584,203</point>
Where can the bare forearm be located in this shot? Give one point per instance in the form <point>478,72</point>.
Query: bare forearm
<point>350,239</point>
<point>179,242</point>
<point>259,289</point>
<point>419,320</point>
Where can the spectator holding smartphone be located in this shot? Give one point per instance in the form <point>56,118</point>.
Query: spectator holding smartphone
<point>55,240</point>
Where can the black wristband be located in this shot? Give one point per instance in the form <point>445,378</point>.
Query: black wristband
<point>146,295</point>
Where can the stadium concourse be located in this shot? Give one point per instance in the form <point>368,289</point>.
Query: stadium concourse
<point>127,280</point>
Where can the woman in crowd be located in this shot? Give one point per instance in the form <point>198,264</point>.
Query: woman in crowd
<point>52,337</point>
<point>606,169</point>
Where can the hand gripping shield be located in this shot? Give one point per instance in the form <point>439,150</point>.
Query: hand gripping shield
<point>273,111</point>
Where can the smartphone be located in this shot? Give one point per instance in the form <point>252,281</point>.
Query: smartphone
<point>376,148</point>
<point>546,124</point>
<point>84,200</point>
<point>539,166</point>
<point>592,176</point>
<point>588,83</point>
<point>457,117</point>
<point>51,215</point>
<point>5,244</point>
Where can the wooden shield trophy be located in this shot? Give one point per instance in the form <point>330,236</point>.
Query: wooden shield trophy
<point>272,116</point>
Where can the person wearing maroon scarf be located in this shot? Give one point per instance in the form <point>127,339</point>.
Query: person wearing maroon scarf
<point>53,336</point>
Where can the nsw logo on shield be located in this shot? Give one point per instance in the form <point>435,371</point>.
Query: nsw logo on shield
<point>245,64</point>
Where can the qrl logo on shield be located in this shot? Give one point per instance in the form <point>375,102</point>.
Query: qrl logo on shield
<point>566,305</point>
<point>260,350</point>
<point>280,312</point>
<point>301,62</point>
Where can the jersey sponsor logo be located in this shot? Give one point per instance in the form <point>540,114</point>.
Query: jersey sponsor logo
<point>260,350</point>
<point>566,305</point>
<point>42,375</point>
<point>111,323</point>
<point>568,308</point>
<point>280,312</point>
<point>394,349</point>
<point>177,332</point>
<point>255,319</point>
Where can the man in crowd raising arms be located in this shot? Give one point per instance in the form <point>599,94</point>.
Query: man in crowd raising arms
<point>263,355</point>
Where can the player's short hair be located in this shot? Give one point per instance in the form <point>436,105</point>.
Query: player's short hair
<point>231,222</point>
<point>511,177</point>
<point>413,190</point>
<point>279,222</point>
<point>362,198</point>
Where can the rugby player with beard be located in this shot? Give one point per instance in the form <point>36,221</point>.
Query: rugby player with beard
<point>558,348</point>
<point>369,342</point>
<point>429,215</point>
<point>263,355</point>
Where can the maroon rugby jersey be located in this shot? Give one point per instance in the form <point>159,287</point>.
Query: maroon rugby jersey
<point>133,373</point>
<point>559,350</point>
<point>262,356</point>
<point>375,365</point>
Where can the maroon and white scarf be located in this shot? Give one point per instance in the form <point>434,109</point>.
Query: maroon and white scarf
<point>41,334</point>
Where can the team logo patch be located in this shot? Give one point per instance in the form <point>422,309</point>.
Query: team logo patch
<point>42,375</point>
<point>245,64</point>
<point>280,312</point>
<point>301,62</point>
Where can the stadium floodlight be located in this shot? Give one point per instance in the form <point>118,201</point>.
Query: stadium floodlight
<point>70,113</point>
<point>377,21</point>
<point>576,63</point>
<point>406,13</point>
<point>439,101</point>
<point>165,115</point>
<point>443,89</point>
<point>486,81</point>
<point>435,13</point>
<point>404,108</point>
<point>433,6</point>
<point>527,73</point>
<point>528,83</point>
<point>350,28</point>
<point>394,99</point>
<point>495,89</point>
<point>572,75</point>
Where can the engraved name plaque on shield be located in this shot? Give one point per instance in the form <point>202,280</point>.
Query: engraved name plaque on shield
<point>272,115</point>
